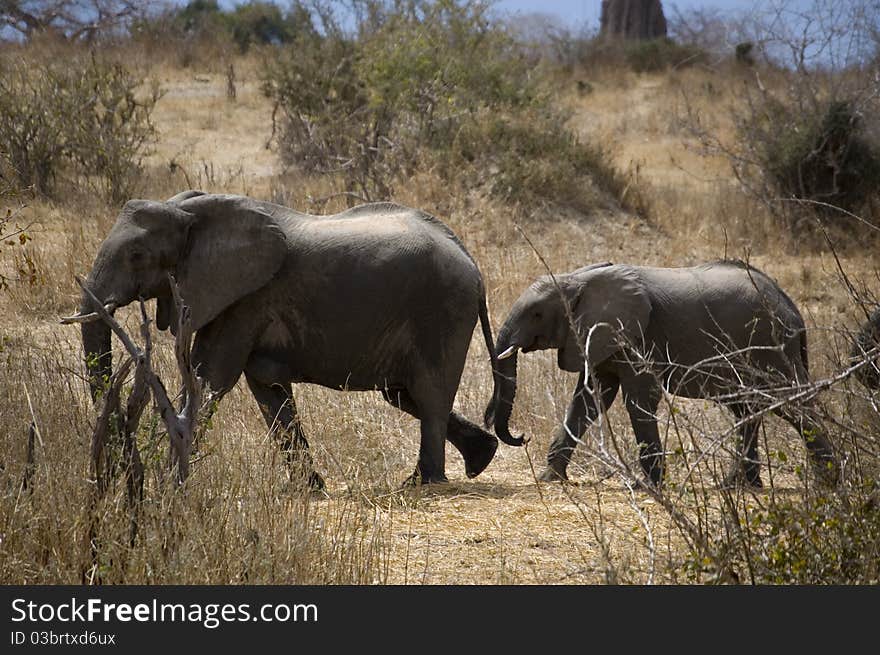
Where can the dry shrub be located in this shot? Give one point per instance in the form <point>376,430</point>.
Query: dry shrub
<point>237,522</point>
<point>805,118</point>
<point>77,115</point>
<point>439,87</point>
<point>614,56</point>
<point>823,157</point>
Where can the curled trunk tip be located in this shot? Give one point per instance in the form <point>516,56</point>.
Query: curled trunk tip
<point>499,409</point>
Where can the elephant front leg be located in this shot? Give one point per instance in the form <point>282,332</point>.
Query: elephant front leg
<point>279,411</point>
<point>582,411</point>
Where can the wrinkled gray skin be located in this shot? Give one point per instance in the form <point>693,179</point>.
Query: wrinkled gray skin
<point>681,319</point>
<point>867,339</point>
<point>379,297</point>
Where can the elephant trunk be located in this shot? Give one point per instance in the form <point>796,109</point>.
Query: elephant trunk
<point>866,341</point>
<point>96,347</point>
<point>499,409</point>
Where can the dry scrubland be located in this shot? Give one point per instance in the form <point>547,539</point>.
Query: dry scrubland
<point>240,521</point>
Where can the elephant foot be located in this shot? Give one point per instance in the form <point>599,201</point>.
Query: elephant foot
<point>316,482</point>
<point>648,485</point>
<point>480,453</point>
<point>477,447</point>
<point>826,470</point>
<point>307,478</point>
<point>743,475</point>
<point>551,474</point>
<point>417,479</point>
<point>311,482</point>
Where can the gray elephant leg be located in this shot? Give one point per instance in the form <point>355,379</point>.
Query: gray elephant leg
<point>431,466</point>
<point>746,468</point>
<point>582,411</point>
<point>642,394</point>
<point>279,411</point>
<point>821,453</point>
<point>477,447</point>
<point>433,404</point>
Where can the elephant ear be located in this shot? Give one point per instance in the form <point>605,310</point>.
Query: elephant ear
<point>233,249</point>
<point>612,298</point>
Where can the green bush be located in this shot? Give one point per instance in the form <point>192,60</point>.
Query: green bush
<point>825,541</point>
<point>263,23</point>
<point>824,158</point>
<point>743,53</point>
<point>806,540</point>
<point>533,158</point>
<point>436,85</point>
<point>251,23</point>
<point>199,15</point>
<point>80,115</point>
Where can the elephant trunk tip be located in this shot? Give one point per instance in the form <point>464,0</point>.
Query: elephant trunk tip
<point>500,430</point>
<point>510,440</point>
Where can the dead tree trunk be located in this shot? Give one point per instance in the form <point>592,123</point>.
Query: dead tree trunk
<point>181,426</point>
<point>632,19</point>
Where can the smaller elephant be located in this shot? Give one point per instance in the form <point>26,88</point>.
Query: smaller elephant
<point>722,331</point>
<point>867,340</point>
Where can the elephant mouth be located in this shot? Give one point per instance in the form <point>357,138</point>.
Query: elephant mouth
<point>538,343</point>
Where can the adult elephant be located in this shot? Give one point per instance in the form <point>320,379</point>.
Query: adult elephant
<point>719,331</point>
<point>379,297</point>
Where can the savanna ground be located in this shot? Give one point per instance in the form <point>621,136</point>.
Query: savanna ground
<point>239,519</point>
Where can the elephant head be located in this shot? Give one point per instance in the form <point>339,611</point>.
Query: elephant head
<point>586,312</point>
<point>867,340</point>
<point>196,238</point>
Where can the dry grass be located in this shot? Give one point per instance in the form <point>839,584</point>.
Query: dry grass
<point>240,521</point>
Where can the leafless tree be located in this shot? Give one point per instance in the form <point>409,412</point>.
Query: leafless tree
<point>71,19</point>
<point>712,30</point>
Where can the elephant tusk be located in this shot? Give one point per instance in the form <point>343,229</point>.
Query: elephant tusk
<point>87,318</point>
<point>507,353</point>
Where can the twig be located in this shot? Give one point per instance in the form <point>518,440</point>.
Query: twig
<point>33,416</point>
<point>33,435</point>
<point>29,466</point>
<point>180,426</point>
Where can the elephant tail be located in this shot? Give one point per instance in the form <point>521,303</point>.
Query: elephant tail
<point>493,357</point>
<point>804,357</point>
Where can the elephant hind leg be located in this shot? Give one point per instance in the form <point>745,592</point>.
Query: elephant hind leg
<point>477,447</point>
<point>279,411</point>
<point>821,453</point>
<point>746,468</point>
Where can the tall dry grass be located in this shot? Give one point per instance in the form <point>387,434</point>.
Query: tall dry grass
<point>240,520</point>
